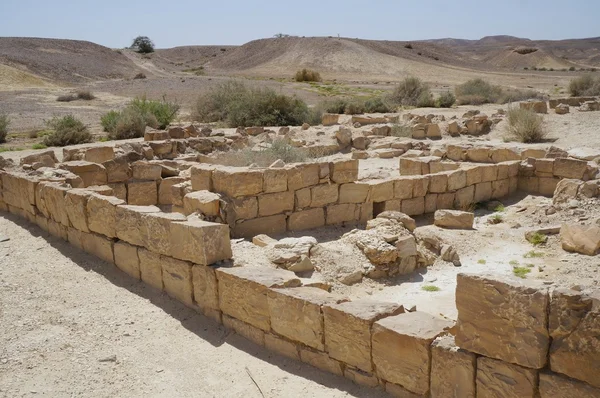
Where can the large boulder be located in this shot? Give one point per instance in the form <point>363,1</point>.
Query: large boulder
<point>584,239</point>
<point>454,219</point>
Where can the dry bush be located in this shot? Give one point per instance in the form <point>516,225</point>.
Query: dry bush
<point>66,98</point>
<point>308,75</point>
<point>585,85</point>
<point>401,130</point>
<point>445,100</point>
<point>130,124</point>
<point>139,76</point>
<point>412,92</point>
<point>4,123</point>
<point>66,130</point>
<point>478,92</point>
<point>85,95</point>
<point>524,125</point>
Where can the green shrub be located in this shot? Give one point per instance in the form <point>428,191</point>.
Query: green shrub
<point>355,107</point>
<point>430,288</point>
<point>377,105</point>
<point>130,124</point>
<point>479,90</point>
<point>401,130</point>
<point>412,92</point>
<point>446,100</point>
<point>164,112</point>
<point>335,106</point>
<point>524,125</point>
<point>38,146</point>
<point>109,121</point>
<point>585,85</point>
<point>85,95</point>
<point>571,69</point>
<point>66,130</point>
<point>521,272</point>
<point>511,95</point>
<point>240,106</point>
<point>308,75</point>
<point>4,123</point>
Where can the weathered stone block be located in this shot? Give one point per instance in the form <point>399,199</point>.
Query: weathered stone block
<point>236,182</point>
<point>296,314</point>
<point>503,318</point>
<point>142,193</point>
<point>270,225</point>
<point>381,190</point>
<point>165,190</point>
<point>457,180</point>
<point>156,228</point>
<point>306,219</point>
<point>200,242</point>
<point>302,176</point>
<point>444,201</point>
<point>206,291</point>
<point>403,188</point>
<point>361,378</point>
<point>500,188</point>
<point>452,370</point>
<point>275,203</point>
<point>275,180</point>
<point>438,183</point>
<point>201,176</point>
<point>243,292</point>
<point>474,175</point>
<point>454,219</point>
<point>574,327</point>
<point>205,202</point>
<point>409,166</point>
<point>500,379</point>
<point>547,186</point>
<point>556,386</point>
<point>337,214</point>
<point>247,331</point>
<point>241,208</point>
<point>98,245</point>
<point>117,170</point>
<point>129,225</point>
<point>348,329</point>
<point>151,268</point>
<point>90,173</point>
<point>431,202</point>
<point>569,168</point>
<point>414,206</point>
<point>320,360</point>
<point>324,194</point>
<point>126,259</point>
<point>282,347</point>
<point>101,214</point>
<point>483,192</point>
<point>343,171</point>
<point>177,279</point>
<point>401,348</point>
<point>146,171</point>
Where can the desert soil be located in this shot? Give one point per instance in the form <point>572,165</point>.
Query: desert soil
<point>74,326</point>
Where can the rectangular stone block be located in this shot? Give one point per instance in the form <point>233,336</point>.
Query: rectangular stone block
<point>275,203</point>
<point>457,180</point>
<point>165,190</point>
<point>489,172</point>
<point>90,173</point>
<point>142,193</point>
<point>146,171</point>
<point>53,196</point>
<point>206,291</point>
<point>201,177</point>
<point>126,259</point>
<point>200,242</point>
<point>204,202</point>
<point>102,214</point>
<point>500,379</point>
<point>73,235</point>
<point>575,327</point>
<point>414,206</point>
<point>177,280</point>
<point>282,347</point>
<point>438,183</point>
<point>156,231</point>
<point>302,176</point>
<point>296,314</point>
<point>544,165</point>
<point>483,192</point>
<point>275,180</point>
<point>529,184</point>
<point>354,192</point>
<point>361,378</point>
<point>270,225</point>
<point>249,332</point>
<point>130,227</point>
<point>547,186</point>
<point>500,188</point>
<point>403,188</point>
<point>464,198</point>
<point>119,190</point>
<point>117,170</point>
<point>57,230</point>
<point>302,199</point>
<point>410,166</point>
<point>306,219</point>
<point>151,268</point>
<point>337,214</point>
<point>401,348</point>
<point>381,190</point>
<point>555,386</point>
<point>503,318</point>
<point>241,208</point>
<point>569,168</point>
<point>348,329</point>
<point>452,370</point>
<point>342,171</point>
<point>445,201</point>
<point>320,360</point>
<point>243,292</point>
<point>324,194</point>
<point>474,175</point>
<point>99,246</point>
<point>237,182</point>
<point>431,202</point>
<point>99,154</point>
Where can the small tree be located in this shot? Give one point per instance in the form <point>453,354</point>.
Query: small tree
<point>143,45</point>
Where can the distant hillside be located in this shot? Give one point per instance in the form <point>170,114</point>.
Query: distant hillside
<point>68,61</point>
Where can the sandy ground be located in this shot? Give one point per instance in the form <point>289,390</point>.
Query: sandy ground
<point>63,313</point>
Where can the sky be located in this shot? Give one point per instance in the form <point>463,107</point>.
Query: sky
<point>171,23</point>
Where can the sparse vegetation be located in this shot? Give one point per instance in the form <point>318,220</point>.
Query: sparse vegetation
<point>445,100</point>
<point>412,92</point>
<point>586,85</point>
<point>85,95</point>
<point>524,125</point>
<point>139,76</point>
<point>4,123</point>
<point>278,149</point>
<point>500,208</point>
<point>308,75</point>
<point>143,45</point>
<point>496,219</point>
<point>521,272</point>
<point>66,98</point>
<point>537,239</point>
<point>514,263</point>
<point>401,130</point>
<point>533,254</point>
<point>199,71</point>
<point>241,106</point>
<point>481,261</point>
<point>163,111</point>
<point>66,130</point>
<point>38,146</point>
<point>131,123</point>
<point>478,91</point>
<point>525,50</point>
<point>430,288</point>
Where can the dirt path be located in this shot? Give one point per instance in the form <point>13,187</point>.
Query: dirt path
<point>73,326</point>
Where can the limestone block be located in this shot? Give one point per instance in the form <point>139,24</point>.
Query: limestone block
<point>500,188</point>
<point>400,392</point>
<point>281,346</point>
<point>404,187</point>
<point>354,193</point>
<point>321,360</point>
<point>178,191</point>
<point>547,186</point>
<point>54,200</point>
<point>201,176</point>
<point>243,292</point>
<point>478,155</point>
<point>584,239</point>
<point>129,225</point>
<point>165,190</point>
<point>177,279</point>
<point>302,176</point>
<point>503,318</point>
<point>73,235</point>
<point>343,171</point>
<point>431,202</point>
<point>401,348</point>
<point>504,154</point>
<point>275,203</point>
<point>200,242</point>
<point>206,292</point>
<point>296,314</point>
<point>146,171</point>
<point>381,190</point>
<point>205,202</point>
<point>337,214</point>
<point>452,370</point>
<point>457,180</point>
<point>58,230</point>
<point>270,225</point>
<point>529,184</point>
<point>306,219</point>
<point>500,379</point>
<point>302,198</point>
<point>236,182</point>
<point>483,192</point>
<point>156,228</point>
<point>348,329</point>
<point>556,386</point>
<point>569,168</point>
<point>489,172</point>
<point>544,165</point>
<point>241,208</point>
<point>126,259</point>
<point>438,183</point>
<point>445,201</point>
<point>361,378</point>
<point>414,207</point>
<point>574,327</point>
<point>151,268</point>
<point>117,170</point>
<point>101,214</point>
<point>324,194</point>
<point>410,166</point>
<point>420,186</point>
<point>275,180</point>
<point>142,193</point>
<point>454,219</point>
<point>474,175</point>
<point>249,332</point>
<point>98,245</point>
<point>90,173</point>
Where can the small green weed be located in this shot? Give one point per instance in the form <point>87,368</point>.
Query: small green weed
<point>38,146</point>
<point>537,239</point>
<point>481,261</point>
<point>430,288</point>
<point>521,272</point>
<point>533,254</point>
<point>513,263</point>
<point>500,209</point>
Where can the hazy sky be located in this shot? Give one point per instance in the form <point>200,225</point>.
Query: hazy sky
<point>185,22</point>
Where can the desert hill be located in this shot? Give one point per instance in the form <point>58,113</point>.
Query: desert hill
<point>65,61</point>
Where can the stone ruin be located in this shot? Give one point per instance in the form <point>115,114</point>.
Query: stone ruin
<point>159,215</point>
